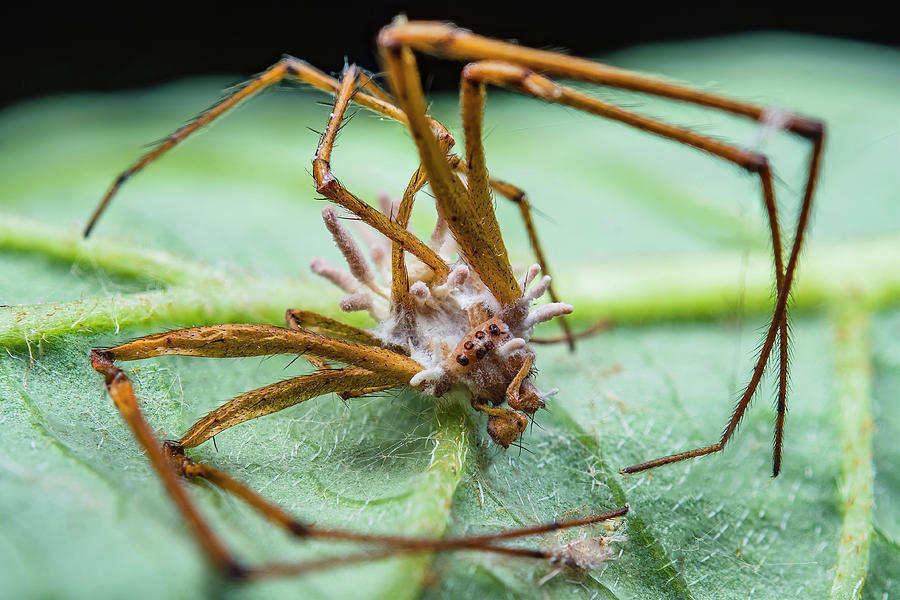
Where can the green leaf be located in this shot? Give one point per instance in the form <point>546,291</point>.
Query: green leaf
<point>667,241</point>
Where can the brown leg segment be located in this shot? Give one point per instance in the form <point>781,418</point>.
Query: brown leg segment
<point>297,318</point>
<point>526,81</point>
<point>170,462</point>
<point>328,185</point>
<point>287,67</point>
<point>514,66</point>
<point>470,217</point>
<point>122,392</point>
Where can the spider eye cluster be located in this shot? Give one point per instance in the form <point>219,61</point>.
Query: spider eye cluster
<point>480,344</point>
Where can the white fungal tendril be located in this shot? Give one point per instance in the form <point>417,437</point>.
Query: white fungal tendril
<point>379,247</point>
<point>347,245</point>
<point>511,346</point>
<point>440,235</point>
<point>549,393</point>
<point>539,289</point>
<point>355,302</point>
<point>335,275</point>
<point>771,122</point>
<point>426,376</point>
<point>529,276</point>
<point>545,312</point>
<point>420,292</point>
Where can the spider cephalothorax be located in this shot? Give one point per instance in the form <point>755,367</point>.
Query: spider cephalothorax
<point>454,327</point>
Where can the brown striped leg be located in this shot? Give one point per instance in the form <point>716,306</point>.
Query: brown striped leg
<point>170,462</point>
<point>450,42</point>
<point>469,212</point>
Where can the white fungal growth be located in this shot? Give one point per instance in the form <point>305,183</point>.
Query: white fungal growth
<point>529,276</point>
<point>545,312</point>
<point>588,553</point>
<point>359,267</point>
<point>539,289</point>
<point>335,275</point>
<point>355,302</point>
<point>456,329</point>
<point>420,291</point>
<point>771,122</point>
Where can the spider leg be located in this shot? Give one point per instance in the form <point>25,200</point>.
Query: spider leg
<point>526,81</point>
<point>122,393</point>
<point>297,318</point>
<point>288,67</point>
<point>449,42</point>
<point>283,519</point>
<point>512,390</point>
<point>328,185</point>
<point>468,212</point>
<point>399,275</point>
<point>388,545</point>
<point>371,367</point>
<point>170,462</point>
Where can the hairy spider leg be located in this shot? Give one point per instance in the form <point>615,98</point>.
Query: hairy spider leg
<point>170,462</point>
<point>468,211</point>
<point>391,544</point>
<point>370,96</point>
<point>515,67</point>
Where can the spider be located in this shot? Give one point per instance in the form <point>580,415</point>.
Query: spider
<point>441,326</point>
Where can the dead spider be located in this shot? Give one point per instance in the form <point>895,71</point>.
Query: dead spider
<point>441,326</point>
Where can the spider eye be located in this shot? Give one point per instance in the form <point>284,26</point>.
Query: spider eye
<point>494,329</point>
<point>479,334</point>
<point>489,345</point>
<point>469,345</point>
<point>462,359</point>
<point>480,353</point>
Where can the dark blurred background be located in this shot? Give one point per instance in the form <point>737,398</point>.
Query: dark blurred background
<point>77,49</point>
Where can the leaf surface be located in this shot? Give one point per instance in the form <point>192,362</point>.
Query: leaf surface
<point>666,241</point>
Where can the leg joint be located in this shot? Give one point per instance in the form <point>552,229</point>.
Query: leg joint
<point>811,129</point>
<point>756,163</point>
<point>324,177</point>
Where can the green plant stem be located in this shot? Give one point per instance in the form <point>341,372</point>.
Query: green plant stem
<point>853,382</point>
<point>128,260</point>
<point>685,287</point>
<point>428,507</point>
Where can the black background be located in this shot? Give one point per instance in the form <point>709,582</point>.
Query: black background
<point>47,51</point>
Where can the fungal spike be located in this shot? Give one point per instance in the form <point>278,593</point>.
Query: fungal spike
<point>539,289</point>
<point>545,312</point>
<point>334,274</point>
<point>359,267</point>
<point>529,275</point>
<point>355,302</point>
<point>511,346</point>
